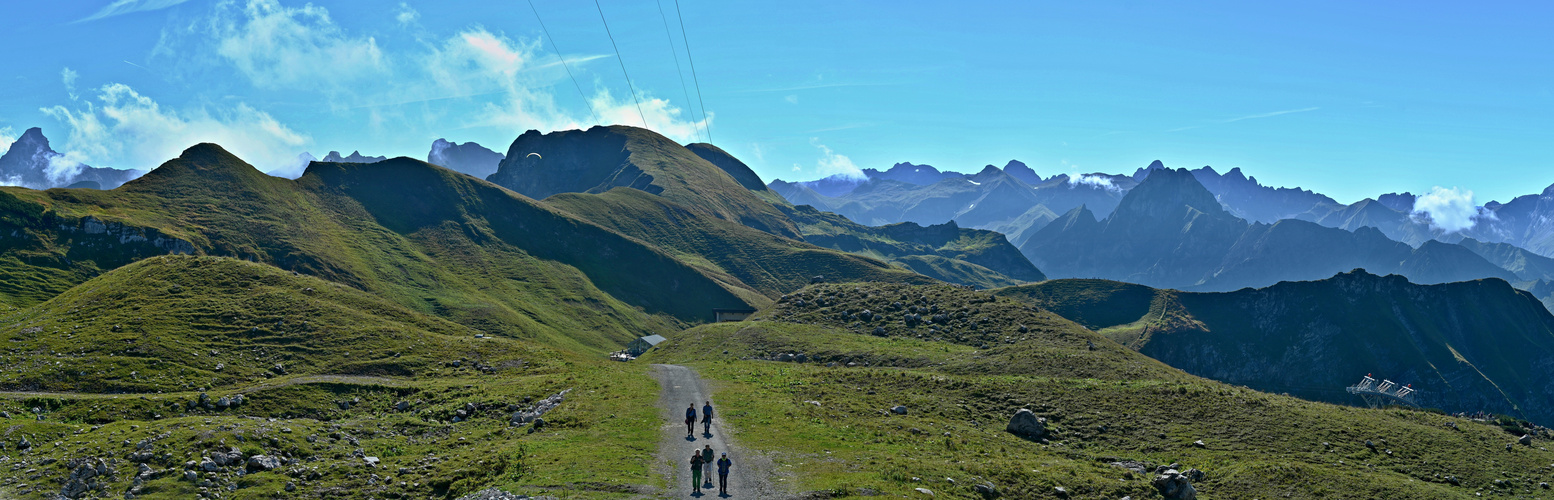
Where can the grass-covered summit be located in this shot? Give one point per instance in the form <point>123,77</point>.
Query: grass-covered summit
<point>601,158</point>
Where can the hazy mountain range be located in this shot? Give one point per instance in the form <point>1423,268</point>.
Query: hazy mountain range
<point>924,194</point>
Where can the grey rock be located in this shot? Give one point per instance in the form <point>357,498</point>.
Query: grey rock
<point>263,463</point>
<point>402,406</point>
<point>209,465</point>
<point>1027,425</point>
<point>191,476</point>
<point>290,486</point>
<point>1174,485</point>
<point>1199,443</point>
<point>987,490</point>
<point>925,491</point>
<point>899,410</point>
<point>371,461</point>
<point>1060,491</point>
<point>1526,440</point>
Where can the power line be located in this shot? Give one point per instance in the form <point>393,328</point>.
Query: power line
<point>618,58</point>
<point>672,52</point>
<point>553,46</point>
<point>688,57</point>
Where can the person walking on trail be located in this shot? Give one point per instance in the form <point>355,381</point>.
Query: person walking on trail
<point>706,463</point>
<point>706,419</point>
<point>723,465</point>
<point>690,420</point>
<point>696,463</point>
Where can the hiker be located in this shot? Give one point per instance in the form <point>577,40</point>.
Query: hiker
<point>706,420</point>
<point>696,472</point>
<point>690,420</point>
<point>723,465</point>
<point>706,463</point>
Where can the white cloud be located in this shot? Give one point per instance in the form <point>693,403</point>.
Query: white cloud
<point>407,14</point>
<point>69,76</point>
<point>286,47</point>
<point>792,99</point>
<point>1093,181</point>
<point>831,163</point>
<point>1449,210</point>
<point>7,136</point>
<point>121,7</point>
<point>476,61</point>
<point>127,130</point>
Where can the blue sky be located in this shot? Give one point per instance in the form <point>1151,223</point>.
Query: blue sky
<point>1351,99</point>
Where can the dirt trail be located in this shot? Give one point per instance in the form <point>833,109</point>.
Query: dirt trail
<point>751,475</point>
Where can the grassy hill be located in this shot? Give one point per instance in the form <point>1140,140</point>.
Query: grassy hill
<point>764,263</point>
<point>946,252</point>
<point>424,237</point>
<point>1107,409</point>
<point>176,323</point>
<point>1468,346</point>
<point>707,181</point>
<point>602,158</point>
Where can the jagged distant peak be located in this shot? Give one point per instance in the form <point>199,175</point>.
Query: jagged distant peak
<point>1140,174</point>
<point>1021,171</point>
<point>355,157</point>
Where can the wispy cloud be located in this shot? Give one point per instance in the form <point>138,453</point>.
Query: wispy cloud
<point>294,47</point>
<point>128,130</point>
<point>1270,114</point>
<point>812,86</point>
<point>69,76</point>
<point>7,136</point>
<point>1249,117</point>
<point>121,7</point>
<point>848,126</point>
<point>406,14</point>
<point>831,163</point>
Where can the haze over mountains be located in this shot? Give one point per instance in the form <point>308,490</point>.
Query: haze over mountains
<point>30,162</point>
<point>932,196</point>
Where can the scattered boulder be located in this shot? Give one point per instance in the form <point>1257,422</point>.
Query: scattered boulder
<point>899,410</point>
<point>925,491</point>
<point>258,463</point>
<point>1526,440</point>
<point>402,406</point>
<point>86,475</point>
<point>209,465</point>
<point>987,490</point>
<point>1174,485</point>
<point>1027,425</point>
<point>1199,443</point>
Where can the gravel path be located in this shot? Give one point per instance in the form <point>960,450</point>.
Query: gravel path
<point>751,475</point>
